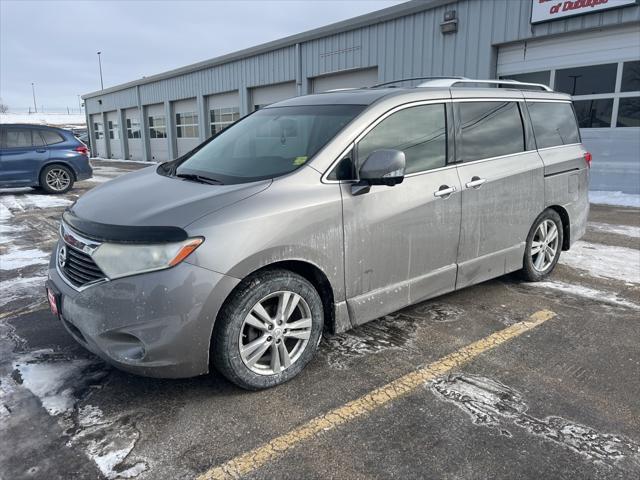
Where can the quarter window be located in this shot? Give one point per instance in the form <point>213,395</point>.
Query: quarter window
<point>133,128</point>
<point>489,129</point>
<point>594,113</point>
<point>629,112</point>
<point>113,130</point>
<point>554,124</point>
<point>589,80</point>
<point>221,118</point>
<point>157,127</point>
<point>187,125</point>
<point>420,132</point>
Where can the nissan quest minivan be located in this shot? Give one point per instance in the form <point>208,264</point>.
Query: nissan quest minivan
<point>319,213</point>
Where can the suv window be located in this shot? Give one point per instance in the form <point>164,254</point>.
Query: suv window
<point>489,129</point>
<point>420,132</point>
<point>554,123</point>
<point>17,138</point>
<point>51,137</point>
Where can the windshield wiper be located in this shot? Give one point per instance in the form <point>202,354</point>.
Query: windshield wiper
<point>199,178</point>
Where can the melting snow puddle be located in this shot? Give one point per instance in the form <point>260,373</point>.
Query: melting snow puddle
<point>58,381</point>
<point>490,403</point>
<point>17,258</point>
<point>604,261</point>
<point>626,230</point>
<point>586,292</point>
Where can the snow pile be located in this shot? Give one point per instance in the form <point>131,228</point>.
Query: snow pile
<point>626,230</point>
<point>604,261</point>
<point>58,119</point>
<point>615,198</point>
<point>586,292</point>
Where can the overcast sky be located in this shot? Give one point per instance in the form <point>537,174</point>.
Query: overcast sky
<point>53,44</point>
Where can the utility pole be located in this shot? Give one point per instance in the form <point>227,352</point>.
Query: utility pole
<point>33,90</point>
<point>100,65</point>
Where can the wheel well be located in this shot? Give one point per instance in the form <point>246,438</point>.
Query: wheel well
<point>62,164</point>
<point>566,225</point>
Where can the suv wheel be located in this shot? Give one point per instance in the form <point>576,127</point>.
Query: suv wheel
<point>268,330</point>
<point>543,247</point>
<point>56,179</point>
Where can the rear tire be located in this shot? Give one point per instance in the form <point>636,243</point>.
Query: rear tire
<point>268,330</point>
<point>56,179</point>
<point>543,246</point>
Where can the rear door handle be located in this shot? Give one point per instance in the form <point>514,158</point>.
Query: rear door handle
<point>41,150</point>
<point>476,182</point>
<point>444,191</point>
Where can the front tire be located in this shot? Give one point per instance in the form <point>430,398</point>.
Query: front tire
<point>268,330</point>
<point>56,179</point>
<point>544,243</point>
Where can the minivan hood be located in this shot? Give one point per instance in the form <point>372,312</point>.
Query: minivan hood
<point>146,198</point>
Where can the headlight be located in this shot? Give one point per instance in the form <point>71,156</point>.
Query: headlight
<point>121,259</point>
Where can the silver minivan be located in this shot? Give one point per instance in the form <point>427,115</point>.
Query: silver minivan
<point>318,214</point>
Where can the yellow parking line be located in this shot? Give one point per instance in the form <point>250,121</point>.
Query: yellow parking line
<point>276,448</point>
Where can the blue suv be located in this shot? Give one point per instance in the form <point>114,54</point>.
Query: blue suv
<point>43,157</point>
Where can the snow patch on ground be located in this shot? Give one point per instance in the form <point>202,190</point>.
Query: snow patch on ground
<point>31,201</point>
<point>16,258</point>
<point>586,292</point>
<point>76,119</point>
<point>604,261</point>
<point>18,288</point>
<point>626,230</point>
<point>492,404</point>
<point>5,213</point>
<point>614,198</point>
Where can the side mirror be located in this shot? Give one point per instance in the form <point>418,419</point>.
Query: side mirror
<point>382,167</point>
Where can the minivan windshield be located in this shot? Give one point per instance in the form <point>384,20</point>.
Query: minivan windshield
<point>271,142</point>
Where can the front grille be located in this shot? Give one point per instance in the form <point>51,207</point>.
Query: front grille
<point>80,268</point>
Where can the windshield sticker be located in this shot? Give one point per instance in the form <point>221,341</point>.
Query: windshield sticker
<point>299,161</point>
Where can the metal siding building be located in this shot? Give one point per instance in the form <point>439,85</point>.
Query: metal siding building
<point>492,38</point>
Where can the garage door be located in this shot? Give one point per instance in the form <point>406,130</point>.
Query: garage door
<point>223,109</point>
<point>263,96</point>
<point>185,114</point>
<point>98,140</point>
<point>594,67</point>
<point>158,142</point>
<point>133,134</point>
<point>351,79</point>
<point>113,135</point>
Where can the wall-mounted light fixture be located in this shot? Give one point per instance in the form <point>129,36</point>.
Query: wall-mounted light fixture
<point>450,24</point>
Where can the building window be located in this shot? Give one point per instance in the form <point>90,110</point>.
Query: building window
<point>113,130</point>
<point>531,77</point>
<point>595,113</point>
<point>629,112</point>
<point>187,125</point>
<point>589,80</point>
<point>157,127</point>
<point>133,128</point>
<point>98,131</point>
<point>630,77</point>
<point>221,118</point>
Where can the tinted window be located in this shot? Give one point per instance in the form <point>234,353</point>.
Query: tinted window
<point>630,77</point>
<point>18,138</point>
<point>490,129</point>
<point>594,113</point>
<point>36,138</point>
<point>553,124</point>
<point>629,112</point>
<point>587,80</point>
<point>420,132</point>
<point>269,143</point>
<point>531,77</point>
<point>51,137</point>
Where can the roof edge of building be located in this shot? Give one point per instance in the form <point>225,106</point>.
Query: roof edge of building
<point>378,16</point>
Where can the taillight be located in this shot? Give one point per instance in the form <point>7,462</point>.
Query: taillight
<point>82,149</point>
<point>587,158</point>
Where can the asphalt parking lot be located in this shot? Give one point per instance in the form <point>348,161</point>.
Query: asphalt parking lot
<point>506,379</point>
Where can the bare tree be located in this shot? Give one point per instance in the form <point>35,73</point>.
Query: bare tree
<point>4,108</point>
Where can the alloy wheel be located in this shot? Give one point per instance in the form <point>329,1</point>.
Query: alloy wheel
<point>58,179</point>
<point>544,245</point>
<point>275,333</point>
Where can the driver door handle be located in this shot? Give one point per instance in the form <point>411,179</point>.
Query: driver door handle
<point>475,182</point>
<point>444,191</point>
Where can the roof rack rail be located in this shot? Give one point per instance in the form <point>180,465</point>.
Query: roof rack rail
<point>377,85</point>
<point>452,82</point>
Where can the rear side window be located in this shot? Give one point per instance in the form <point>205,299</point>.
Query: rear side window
<point>553,124</point>
<point>489,129</point>
<point>51,137</point>
<point>420,132</point>
<point>18,138</point>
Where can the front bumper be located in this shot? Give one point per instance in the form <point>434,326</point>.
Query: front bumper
<point>157,324</point>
